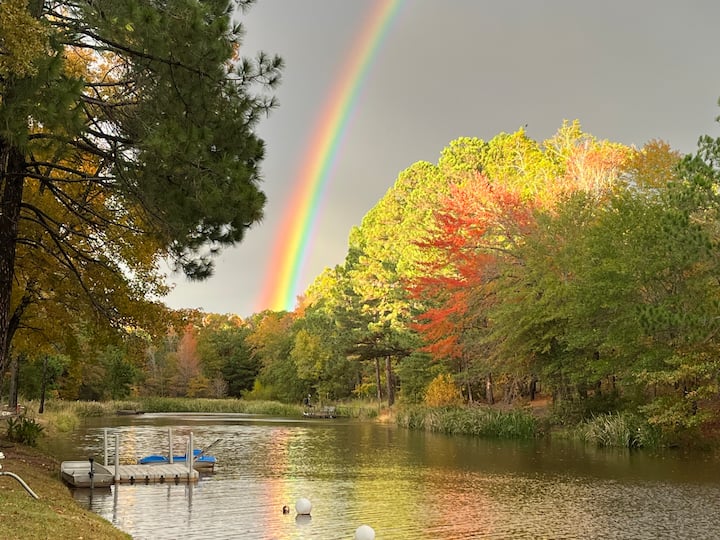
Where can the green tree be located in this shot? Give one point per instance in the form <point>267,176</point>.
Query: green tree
<point>322,342</point>
<point>480,222</point>
<point>618,292</point>
<point>146,111</point>
<point>271,341</point>
<point>225,355</point>
<point>383,256</point>
<point>23,40</point>
<point>120,373</point>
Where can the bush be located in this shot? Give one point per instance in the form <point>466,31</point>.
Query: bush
<point>442,392</point>
<point>64,421</point>
<point>365,391</point>
<point>259,392</point>
<point>23,430</point>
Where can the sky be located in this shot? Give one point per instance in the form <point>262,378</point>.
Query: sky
<point>629,71</point>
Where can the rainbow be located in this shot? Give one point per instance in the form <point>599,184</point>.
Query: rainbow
<point>290,249</point>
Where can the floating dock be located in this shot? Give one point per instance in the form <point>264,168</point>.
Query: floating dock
<point>77,473</point>
<point>153,474</point>
<point>320,412</point>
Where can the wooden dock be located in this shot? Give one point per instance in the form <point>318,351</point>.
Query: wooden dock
<point>153,474</point>
<point>320,412</point>
<point>77,473</point>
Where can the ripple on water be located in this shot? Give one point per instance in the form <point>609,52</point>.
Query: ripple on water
<point>405,485</point>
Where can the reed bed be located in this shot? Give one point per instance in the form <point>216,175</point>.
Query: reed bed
<point>364,410</point>
<point>83,409</point>
<point>203,405</point>
<point>477,421</point>
<point>619,430</point>
<point>64,416</point>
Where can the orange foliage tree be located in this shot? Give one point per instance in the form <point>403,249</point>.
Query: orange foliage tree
<point>477,223</point>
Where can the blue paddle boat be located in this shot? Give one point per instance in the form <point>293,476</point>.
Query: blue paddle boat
<point>202,462</point>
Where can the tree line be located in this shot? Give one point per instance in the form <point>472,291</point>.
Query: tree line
<point>582,269</point>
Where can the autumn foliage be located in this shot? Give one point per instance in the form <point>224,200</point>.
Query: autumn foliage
<point>477,223</point>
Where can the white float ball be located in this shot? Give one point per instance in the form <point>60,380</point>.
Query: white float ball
<point>303,506</point>
<point>364,532</point>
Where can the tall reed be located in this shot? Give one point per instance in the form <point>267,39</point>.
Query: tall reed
<point>477,421</point>
<point>618,430</point>
<point>205,405</point>
<point>62,415</point>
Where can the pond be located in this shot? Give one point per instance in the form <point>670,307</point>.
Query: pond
<point>404,484</point>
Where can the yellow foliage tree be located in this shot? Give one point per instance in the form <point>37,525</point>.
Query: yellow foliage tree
<point>442,392</point>
<point>23,39</point>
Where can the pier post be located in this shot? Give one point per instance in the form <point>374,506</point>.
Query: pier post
<point>190,456</point>
<point>117,458</point>
<point>105,446</point>
<point>170,444</point>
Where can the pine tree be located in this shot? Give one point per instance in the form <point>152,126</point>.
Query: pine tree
<point>136,118</point>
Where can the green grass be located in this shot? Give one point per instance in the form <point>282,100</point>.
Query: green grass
<point>58,409</point>
<point>63,415</point>
<point>618,430</point>
<point>203,405</point>
<point>477,421</point>
<point>55,514</point>
<point>363,409</point>
<point>81,409</point>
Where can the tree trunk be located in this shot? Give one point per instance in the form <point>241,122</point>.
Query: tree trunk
<point>467,382</point>
<point>43,385</point>
<point>14,381</point>
<point>533,387</point>
<point>11,190</point>
<point>377,379</point>
<point>489,397</point>
<point>390,381</point>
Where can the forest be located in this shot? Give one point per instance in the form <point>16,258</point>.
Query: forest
<point>581,270</point>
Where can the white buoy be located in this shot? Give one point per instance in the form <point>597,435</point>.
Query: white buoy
<point>364,532</point>
<point>303,506</point>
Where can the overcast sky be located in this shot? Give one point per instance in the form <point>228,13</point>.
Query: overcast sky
<point>628,70</point>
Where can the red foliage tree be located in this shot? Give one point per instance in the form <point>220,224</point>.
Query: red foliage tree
<point>475,225</point>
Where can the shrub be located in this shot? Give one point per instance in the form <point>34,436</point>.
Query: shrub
<point>442,392</point>
<point>259,392</point>
<point>23,430</point>
<point>64,421</point>
<point>365,391</point>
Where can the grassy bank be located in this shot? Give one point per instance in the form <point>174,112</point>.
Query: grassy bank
<point>86,409</point>
<point>608,429</point>
<point>63,416</point>
<point>476,421</point>
<point>55,514</point>
<point>619,430</point>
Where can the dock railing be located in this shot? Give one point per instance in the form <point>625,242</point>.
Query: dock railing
<point>118,468</point>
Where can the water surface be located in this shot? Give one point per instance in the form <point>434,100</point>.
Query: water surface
<point>404,484</point>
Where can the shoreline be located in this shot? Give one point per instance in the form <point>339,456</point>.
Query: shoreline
<point>55,514</point>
